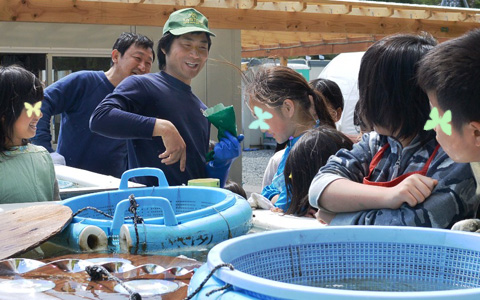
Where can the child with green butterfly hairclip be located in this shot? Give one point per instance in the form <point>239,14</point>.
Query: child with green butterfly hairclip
<point>449,74</point>
<point>398,174</point>
<point>286,106</point>
<point>27,172</point>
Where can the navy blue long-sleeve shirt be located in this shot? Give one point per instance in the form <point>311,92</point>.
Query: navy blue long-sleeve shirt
<point>131,110</point>
<point>75,97</point>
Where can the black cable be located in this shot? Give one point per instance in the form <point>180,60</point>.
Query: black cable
<point>230,266</point>
<point>98,273</point>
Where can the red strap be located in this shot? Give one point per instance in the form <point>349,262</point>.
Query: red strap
<point>394,182</point>
<point>375,160</point>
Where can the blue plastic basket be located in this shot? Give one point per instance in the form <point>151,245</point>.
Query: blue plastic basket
<point>183,202</point>
<point>347,262</point>
<point>173,217</point>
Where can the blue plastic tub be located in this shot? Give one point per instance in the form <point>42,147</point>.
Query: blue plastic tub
<point>347,262</point>
<point>174,217</point>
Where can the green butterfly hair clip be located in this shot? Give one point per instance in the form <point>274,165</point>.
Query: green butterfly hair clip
<point>444,121</point>
<point>261,115</point>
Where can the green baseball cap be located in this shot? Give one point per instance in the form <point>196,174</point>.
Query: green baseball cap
<point>186,20</point>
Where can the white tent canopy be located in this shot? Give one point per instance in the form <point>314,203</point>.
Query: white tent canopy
<point>343,69</point>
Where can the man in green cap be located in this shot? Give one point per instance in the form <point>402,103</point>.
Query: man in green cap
<point>159,114</point>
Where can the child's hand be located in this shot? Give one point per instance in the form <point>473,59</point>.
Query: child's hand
<point>413,190</point>
<point>470,225</point>
<point>311,213</point>
<point>275,198</point>
<point>276,209</point>
<point>324,217</point>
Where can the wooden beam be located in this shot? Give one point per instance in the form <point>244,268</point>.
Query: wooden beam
<point>359,8</point>
<point>332,47</point>
<point>325,23</point>
<point>389,5</point>
<point>100,12</point>
<point>314,50</point>
<point>246,4</point>
<point>256,37</point>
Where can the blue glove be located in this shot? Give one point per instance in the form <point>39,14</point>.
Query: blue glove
<point>227,149</point>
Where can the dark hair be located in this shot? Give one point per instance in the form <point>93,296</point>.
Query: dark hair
<point>17,86</point>
<point>330,90</point>
<point>235,187</point>
<point>273,85</point>
<point>359,121</point>
<point>307,156</point>
<point>165,43</point>
<point>127,39</point>
<point>451,71</point>
<point>389,94</point>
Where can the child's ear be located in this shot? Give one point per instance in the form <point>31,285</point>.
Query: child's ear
<point>339,114</point>
<point>476,132</point>
<point>288,108</point>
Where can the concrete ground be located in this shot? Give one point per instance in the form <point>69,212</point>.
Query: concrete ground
<point>253,167</point>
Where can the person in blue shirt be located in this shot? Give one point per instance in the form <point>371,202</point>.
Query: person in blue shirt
<point>160,115</point>
<point>78,94</point>
<point>295,108</point>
